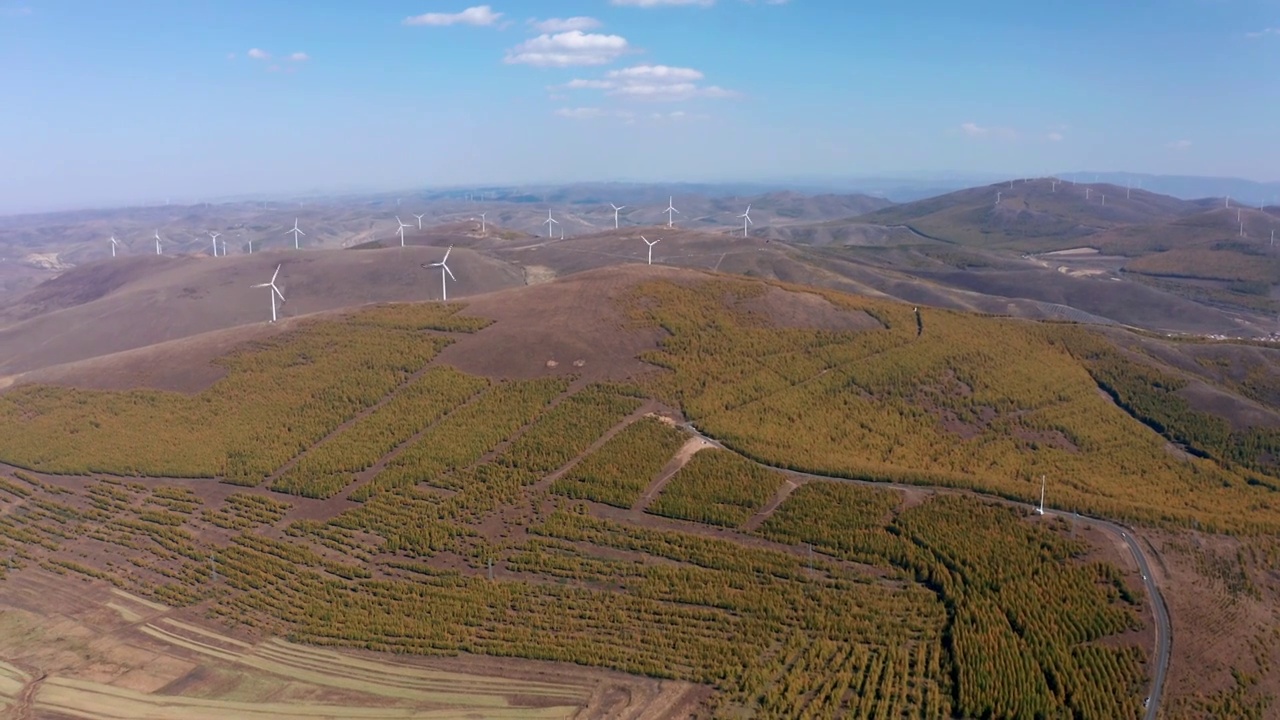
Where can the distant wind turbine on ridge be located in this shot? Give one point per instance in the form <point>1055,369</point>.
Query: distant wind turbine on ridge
<point>113,245</point>
<point>401,230</point>
<point>548,222</point>
<point>482,230</point>
<point>746,220</point>
<point>157,242</point>
<point>275,292</point>
<point>444,269</point>
<point>671,208</point>
<point>213,237</point>
<point>650,243</point>
<point>419,219</point>
<point>616,208</point>
<point>296,232</point>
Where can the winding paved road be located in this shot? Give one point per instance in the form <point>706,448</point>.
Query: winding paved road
<point>1160,613</point>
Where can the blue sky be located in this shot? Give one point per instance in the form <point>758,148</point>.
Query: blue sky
<point>108,102</point>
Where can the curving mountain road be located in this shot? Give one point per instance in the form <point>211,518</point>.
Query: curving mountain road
<point>1160,613</point>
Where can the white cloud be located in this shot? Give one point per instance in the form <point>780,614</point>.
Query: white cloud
<point>975,130</point>
<point>568,48</point>
<point>480,15</point>
<point>1179,145</point>
<point>626,116</point>
<point>559,25</point>
<point>1274,32</point>
<point>581,113</point>
<point>652,82</point>
<point>258,54</point>
<point>1054,137</point>
<point>299,57</point>
<point>231,56</point>
<point>660,3</point>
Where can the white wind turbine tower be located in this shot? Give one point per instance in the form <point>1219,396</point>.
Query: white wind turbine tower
<point>444,269</point>
<point>482,230</point>
<point>650,244</point>
<point>671,208</point>
<point>275,292</point>
<point>746,220</point>
<point>114,243</point>
<point>419,219</point>
<point>1040,510</point>
<point>296,232</point>
<point>549,221</point>
<point>157,242</point>
<point>213,237</point>
<point>997,197</point>
<point>401,230</point>
<point>616,208</point>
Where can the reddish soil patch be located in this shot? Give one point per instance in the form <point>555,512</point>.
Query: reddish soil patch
<point>574,321</point>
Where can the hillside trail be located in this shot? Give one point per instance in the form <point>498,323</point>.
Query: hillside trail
<point>364,476</point>
<point>649,407</point>
<point>346,424</point>
<point>682,457</point>
<point>784,492</point>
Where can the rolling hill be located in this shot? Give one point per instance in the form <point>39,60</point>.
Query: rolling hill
<point>1032,216</point>
<point>789,499</point>
<point>114,305</point>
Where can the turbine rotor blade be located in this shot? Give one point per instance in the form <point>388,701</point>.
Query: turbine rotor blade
<point>273,275</point>
<point>446,269</point>
<point>446,255</point>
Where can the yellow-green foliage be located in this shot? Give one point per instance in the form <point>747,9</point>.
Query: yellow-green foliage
<point>718,488</point>
<point>567,430</point>
<point>620,469</point>
<point>1208,264</point>
<point>971,402</point>
<point>330,466</point>
<point>277,399</point>
<point>466,434</point>
<point>1022,615</point>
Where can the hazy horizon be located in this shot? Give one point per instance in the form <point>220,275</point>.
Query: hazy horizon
<point>120,104</point>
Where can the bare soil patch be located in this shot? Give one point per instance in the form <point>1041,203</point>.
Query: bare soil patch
<point>573,319</point>
<point>79,657</point>
<point>1224,607</point>
<point>801,310</point>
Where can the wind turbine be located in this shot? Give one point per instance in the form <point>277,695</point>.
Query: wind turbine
<point>1086,193</point>
<point>1053,187</point>
<point>296,232</point>
<point>616,208</point>
<point>113,245</point>
<point>157,242</point>
<point>746,219</point>
<point>549,221</point>
<point>482,230</point>
<point>671,208</point>
<point>650,244</point>
<point>1104,199</point>
<point>275,292</point>
<point>1040,510</point>
<point>224,248</point>
<point>401,230</point>
<point>419,220</point>
<point>213,236</point>
<point>444,269</point>
<point>997,197</point>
